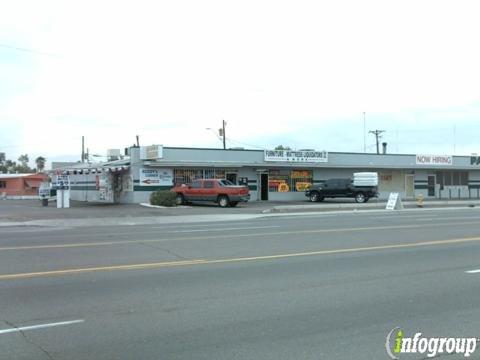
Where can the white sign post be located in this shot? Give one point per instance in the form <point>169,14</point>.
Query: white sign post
<point>63,191</point>
<point>394,202</point>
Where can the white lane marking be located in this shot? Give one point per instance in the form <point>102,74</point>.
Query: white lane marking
<point>451,218</point>
<point>222,229</point>
<point>41,326</point>
<point>473,271</point>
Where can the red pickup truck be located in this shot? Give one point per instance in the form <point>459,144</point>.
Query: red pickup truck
<point>222,192</point>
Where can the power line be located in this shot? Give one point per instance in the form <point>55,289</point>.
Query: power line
<point>32,51</point>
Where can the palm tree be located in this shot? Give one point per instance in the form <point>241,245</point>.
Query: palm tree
<point>40,161</point>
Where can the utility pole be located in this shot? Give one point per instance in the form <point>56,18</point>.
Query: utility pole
<point>222,133</point>
<point>138,140</point>
<point>83,149</point>
<point>377,134</point>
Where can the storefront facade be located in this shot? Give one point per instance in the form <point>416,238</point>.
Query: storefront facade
<point>273,175</point>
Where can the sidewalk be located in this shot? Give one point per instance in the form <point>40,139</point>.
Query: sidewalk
<point>30,212</point>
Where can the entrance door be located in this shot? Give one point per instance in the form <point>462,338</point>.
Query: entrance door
<point>232,177</point>
<point>263,186</point>
<point>409,186</point>
<point>431,185</point>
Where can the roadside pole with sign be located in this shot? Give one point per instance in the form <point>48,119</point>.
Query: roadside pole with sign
<point>63,191</point>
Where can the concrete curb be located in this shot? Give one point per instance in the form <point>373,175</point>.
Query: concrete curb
<point>369,206</point>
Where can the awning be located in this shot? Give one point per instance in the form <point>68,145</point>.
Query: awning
<point>33,183</point>
<point>86,171</point>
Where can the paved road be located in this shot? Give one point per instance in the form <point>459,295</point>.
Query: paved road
<point>299,287</point>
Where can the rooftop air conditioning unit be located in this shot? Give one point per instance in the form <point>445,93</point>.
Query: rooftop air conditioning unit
<point>113,154</point>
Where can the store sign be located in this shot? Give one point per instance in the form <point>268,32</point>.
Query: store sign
<point>296,156</point>
<point>151,152</point>
<point>475,160</point>
<point>62,182</point>
<point>394,202</point>
<point>434,160</point>
<point>156,177</point>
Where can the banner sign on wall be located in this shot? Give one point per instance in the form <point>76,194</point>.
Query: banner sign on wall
<point>156,177</point>
<point>434,160</point>
<point>151,152</point>
<point>296,156</point>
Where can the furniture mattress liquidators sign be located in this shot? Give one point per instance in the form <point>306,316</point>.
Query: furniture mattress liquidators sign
<point>434,160</point>
<point>156,177</point>
<point>296,156</point>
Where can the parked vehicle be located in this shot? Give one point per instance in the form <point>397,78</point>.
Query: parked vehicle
<point>363,187</point>
<point>222,192</point>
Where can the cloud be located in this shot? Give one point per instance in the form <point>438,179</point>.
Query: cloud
<point>278,73</point>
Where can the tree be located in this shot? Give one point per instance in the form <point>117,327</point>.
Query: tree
<point>40,161</point>
<point>23,160</point>
<point>281,147</point>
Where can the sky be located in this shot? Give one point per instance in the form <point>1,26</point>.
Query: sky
<point>297,73</point>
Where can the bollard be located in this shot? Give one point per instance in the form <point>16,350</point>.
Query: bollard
<point>420,200</point>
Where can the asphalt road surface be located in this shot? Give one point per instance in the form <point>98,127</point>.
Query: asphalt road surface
<point>290,287</point>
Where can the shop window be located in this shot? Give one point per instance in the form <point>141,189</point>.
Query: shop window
<point>448,178</point>
<point>289,181</point>
<point>301,180</point>
<point>456,178</point>
<point>187,176</point>
<point>452,178</point>
<point>278,181</point>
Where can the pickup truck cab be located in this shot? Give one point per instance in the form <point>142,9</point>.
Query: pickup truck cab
<point>222,192</point>
<point>334,188</point>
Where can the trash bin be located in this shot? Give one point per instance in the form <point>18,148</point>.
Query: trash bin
<point>44,202</point>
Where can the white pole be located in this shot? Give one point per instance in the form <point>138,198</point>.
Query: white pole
<point>364,134</point>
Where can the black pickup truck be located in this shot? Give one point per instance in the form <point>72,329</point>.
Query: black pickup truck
<point>334,188</point>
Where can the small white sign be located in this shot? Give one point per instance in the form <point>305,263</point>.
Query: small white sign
<point>394,202</point>
<point>62,182</point>
<point>156,177</point>
<point>296,156</point>
<point>440,160</point>
<point>151,152</point>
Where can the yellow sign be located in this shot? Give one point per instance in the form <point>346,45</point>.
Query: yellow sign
<point>302,186</point>
<point>296,174</point>
<point>283,187</point>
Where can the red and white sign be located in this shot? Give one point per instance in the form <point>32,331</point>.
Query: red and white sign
<point>156,177</point>
<point>440,160</point>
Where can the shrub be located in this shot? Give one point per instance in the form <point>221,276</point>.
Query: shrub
<point>163,198</point>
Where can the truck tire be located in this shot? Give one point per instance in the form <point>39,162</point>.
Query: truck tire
<point>316,197</point>
<point>223,201</point>
<point>360,198</point>
<point>180,199</point>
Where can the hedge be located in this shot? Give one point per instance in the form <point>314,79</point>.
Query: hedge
<point>163,198</point>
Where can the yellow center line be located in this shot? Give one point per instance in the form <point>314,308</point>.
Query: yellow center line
<point>231,260</point>
<point>233,236</point>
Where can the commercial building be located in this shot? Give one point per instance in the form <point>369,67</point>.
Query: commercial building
<point>271,174</point>
<point>17,186</point>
